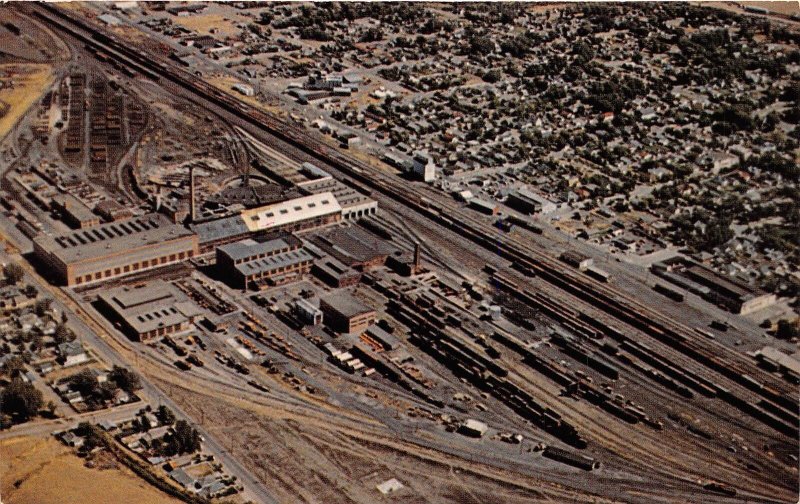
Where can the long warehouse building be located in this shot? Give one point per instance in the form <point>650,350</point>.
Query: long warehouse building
<point>115,249</point>
<point>297,214</point>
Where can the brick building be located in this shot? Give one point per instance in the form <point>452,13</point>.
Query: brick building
<point>115,249</point>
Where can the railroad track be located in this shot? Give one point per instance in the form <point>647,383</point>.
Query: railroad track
<point>742,374</point>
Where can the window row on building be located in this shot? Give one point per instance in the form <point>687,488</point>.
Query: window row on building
<point>132,268</point>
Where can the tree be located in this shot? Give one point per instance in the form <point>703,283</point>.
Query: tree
<point>14,273</point>
<point>85,383</point>
<point>787,329</point>
<point>37,343</point>
<point>21,399</point>
<point>125,379</point>
<point>92,435</point>
<point>144,424</point>
<point>481,45</point>
<point>13,366</point>
<point>184,439</point>
<point>372,35</point>
<point>42,306</point>
<point>63,334</point>
<point>165,415</point>
<point>492,76</point>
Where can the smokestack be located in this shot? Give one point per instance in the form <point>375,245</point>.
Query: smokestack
<point>192,202</point>
<point>416,257</point>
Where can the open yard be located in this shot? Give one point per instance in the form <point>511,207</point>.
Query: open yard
<point>43,471</point>
<point>27,83</point>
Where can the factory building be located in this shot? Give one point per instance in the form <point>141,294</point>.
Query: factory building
<point>577,259</point>
<point>74,212</point>
<point>354,204</point>
<point>307,312</point>
<point>149,311</point>
<point>219,232</point>
<point>355,247</point>
<point>529,203</point>
<point>272,262</point>
<point>484,206</point>
<point>304,212</point>
<point>423,167</point>
<point>115,249</point>
<point>728,292</point>
<point>334,273</point>
<point>344,313</point>
<point>111,210</point>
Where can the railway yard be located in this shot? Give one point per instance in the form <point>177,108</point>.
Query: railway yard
<point>336,331</point>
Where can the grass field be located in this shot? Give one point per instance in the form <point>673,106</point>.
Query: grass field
<point>203,23</point>
<point>43,471</point>
<point>30,82</point>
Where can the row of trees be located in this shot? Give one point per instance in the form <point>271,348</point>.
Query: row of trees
<point>95,394</point>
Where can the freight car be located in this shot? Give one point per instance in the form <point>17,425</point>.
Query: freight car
<point>569,458</point>
<point>668,292</point>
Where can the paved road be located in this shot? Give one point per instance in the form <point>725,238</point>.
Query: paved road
<point>45,427</point>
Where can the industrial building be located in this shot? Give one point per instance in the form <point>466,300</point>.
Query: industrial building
<point>305,212</point>
<point>251,196</point>
<point>577,259</point>
<point>335,273</point>
<point>74,212</point>
<point>272,262</point>
<point>730,293</point>
<point>307,312</point>
<point>355,247</point>
<point>344,313</point>
<point>111,210</point>
<point>149,311</point>
<point>527,202</point>
<point>423,167</point>
<point>484,206</point>
<point>115,249</point>
<point>775,360</point>
<point>219,232</point>
<point>354,204</point>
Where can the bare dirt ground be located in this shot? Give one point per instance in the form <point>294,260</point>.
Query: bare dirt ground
<point>303,460</point>
<point>786,8</point>
<point>43,471</point>
<point>226,83</point>
<point>204,23</point>
<point>28,83</point>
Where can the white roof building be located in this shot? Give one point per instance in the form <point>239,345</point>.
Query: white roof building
<point>291,211</point>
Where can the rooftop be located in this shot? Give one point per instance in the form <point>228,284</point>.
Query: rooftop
<point>144,308</point>
<point>353,245</point>
<point>220,229</point>
<point>288,212</point>
<point>345,304</point>
<point>253,196</point>
<point>106,239</point>
<point>75,207</point>
<point>249,247</point>
<point>273,262</point>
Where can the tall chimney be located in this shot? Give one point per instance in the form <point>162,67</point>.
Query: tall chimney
<point>416,257</point>
<point>192,202</point>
